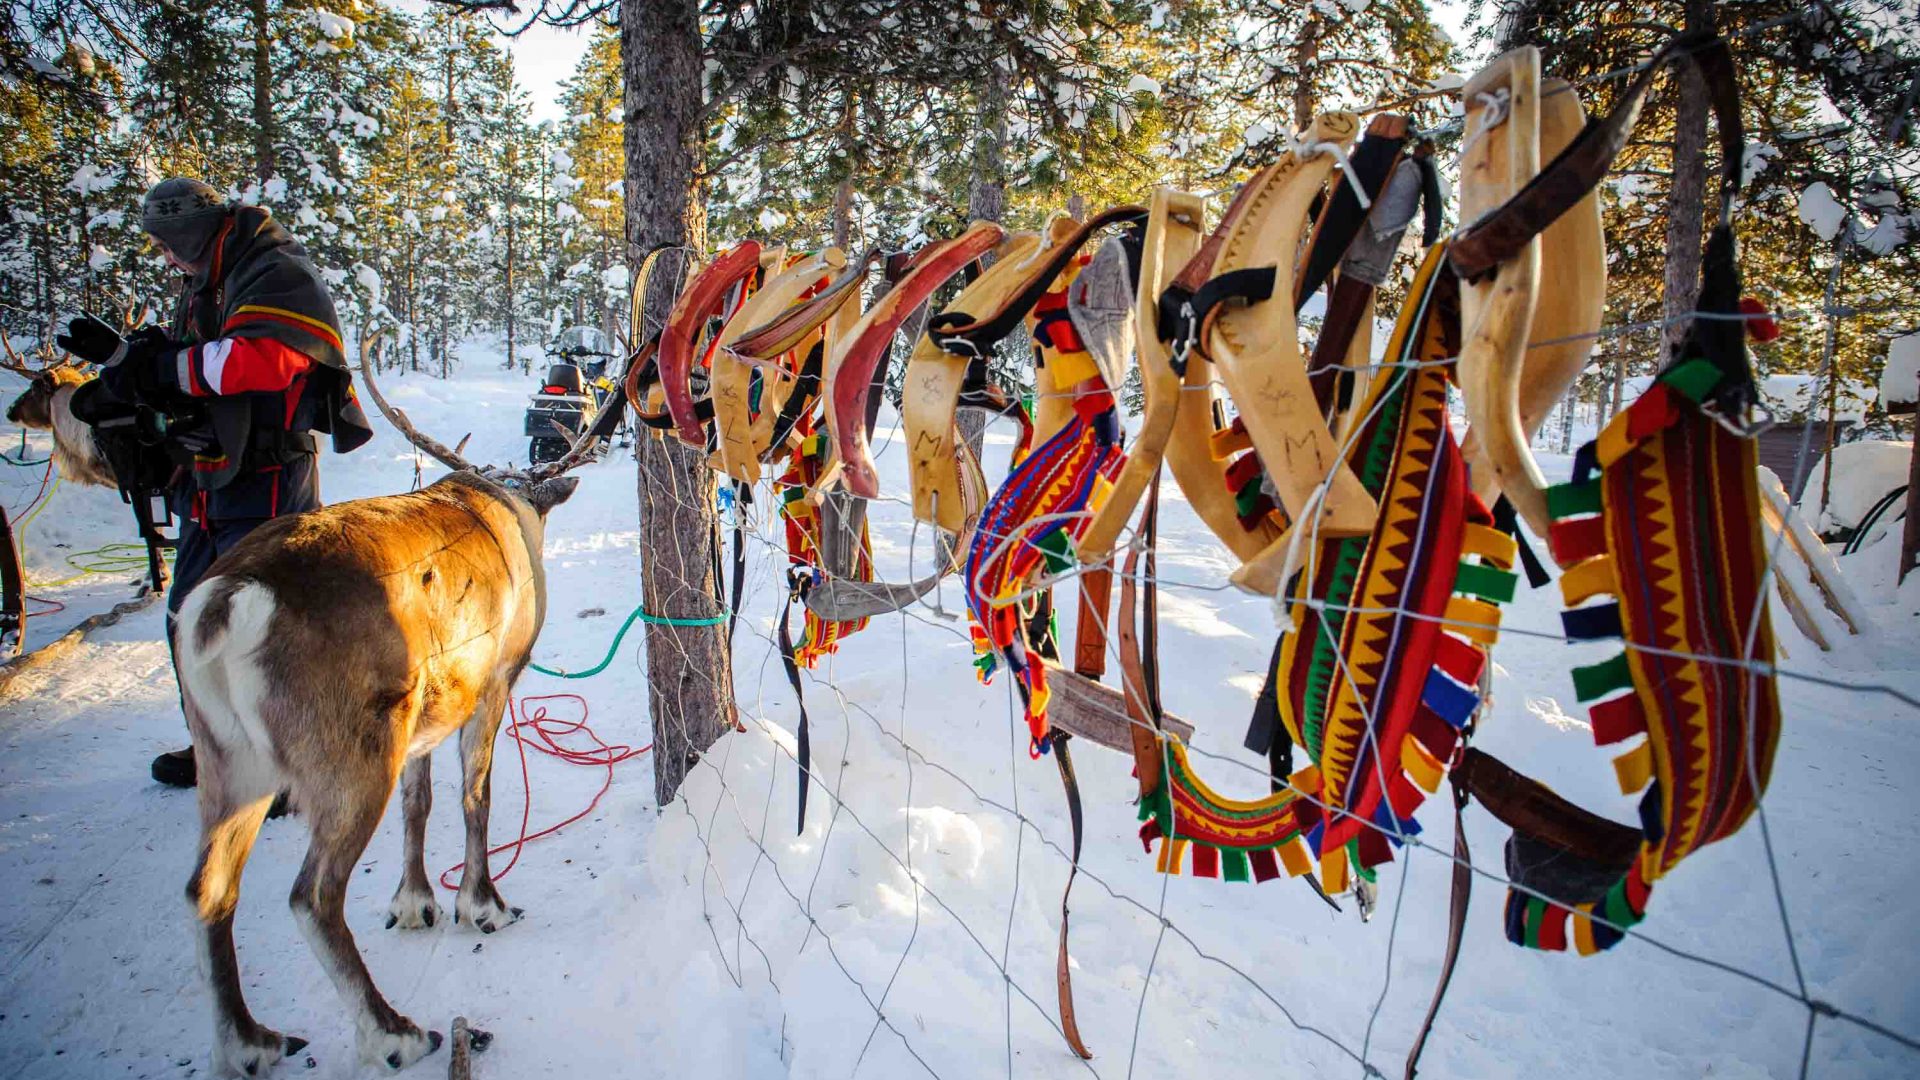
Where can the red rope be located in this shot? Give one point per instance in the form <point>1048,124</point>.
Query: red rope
<point>45,476</point>
<point>53,607</point>
<point>542,732</point>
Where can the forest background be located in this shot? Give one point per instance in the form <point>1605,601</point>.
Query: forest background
<point>400,145</point>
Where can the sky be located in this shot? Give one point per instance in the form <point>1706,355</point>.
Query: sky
<point>543,56</point>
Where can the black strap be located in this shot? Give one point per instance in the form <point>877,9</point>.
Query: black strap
<point>1182,313</point>
<point>742,497</point>
<point>960,334</point>
<point>1456,921</point>
<point>1433,206</point>
<point>1507,520</point>
<point>156,541</point>
<point>1721,342</point>
<point>798,582</point>
<point>1266,735</point>
<point>13,592</point>
<point>806,391</point>
<point>1373,162</point>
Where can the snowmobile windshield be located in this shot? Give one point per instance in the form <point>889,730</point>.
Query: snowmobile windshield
<point>581,341</point>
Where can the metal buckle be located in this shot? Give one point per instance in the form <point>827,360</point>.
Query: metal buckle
<point>1183,338</point>
<point>1757,421</point>
<point>950,345</point>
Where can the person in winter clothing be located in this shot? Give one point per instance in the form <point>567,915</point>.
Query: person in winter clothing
<point>250,367</point>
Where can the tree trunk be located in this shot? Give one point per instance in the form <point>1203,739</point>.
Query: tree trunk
<point>1686,199</point>
<point>843,194</point>
<point>987,201</point>
<point>512,265</point>
<point>689,668</point>
<point>1306,57</point>
<point>262,93</point>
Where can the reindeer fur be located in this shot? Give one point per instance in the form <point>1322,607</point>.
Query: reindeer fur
<point>47,405</point>
<point>326,655</point>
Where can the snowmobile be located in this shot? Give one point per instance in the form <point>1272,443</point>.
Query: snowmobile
<point>575,390</point>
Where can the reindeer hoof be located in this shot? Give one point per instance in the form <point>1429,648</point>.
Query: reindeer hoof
<point>237,1054</point>
<point>398,1049</point>
<point>487,913</point>
<point>412,910</point>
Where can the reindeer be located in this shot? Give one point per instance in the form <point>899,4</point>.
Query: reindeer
<point>47,405</point>
<point>326,655</point>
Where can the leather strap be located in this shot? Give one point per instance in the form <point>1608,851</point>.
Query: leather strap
<point>1528,806</point>
<point>1580,167</point>
<point>1090,633</point>
<point>798,582</point>
<point>975,336</point>
<point>1456,922</point>
<point>1069,1027</point>
<point>1346,307</point>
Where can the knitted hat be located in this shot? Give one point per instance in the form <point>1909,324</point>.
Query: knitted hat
<point>184,215</point>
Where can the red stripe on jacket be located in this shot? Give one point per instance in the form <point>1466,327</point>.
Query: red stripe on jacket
<point>244,365</point>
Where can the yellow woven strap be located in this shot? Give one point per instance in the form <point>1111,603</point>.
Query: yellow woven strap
<point>1228,441</point>
<point>1474,620</point>
<point>1490,544</point>
<point>1333,871</point>
<point>1173,852</point>
<point>1425,769</point>
<point>1587,579</point>
<point>1293,855</point>
<point>1634,769</point>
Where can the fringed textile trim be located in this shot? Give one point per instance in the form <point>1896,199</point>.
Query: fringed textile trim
<point>1659,532</point>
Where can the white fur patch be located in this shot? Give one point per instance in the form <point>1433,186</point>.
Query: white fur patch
<point>226,684</point>
<point>73,447</point>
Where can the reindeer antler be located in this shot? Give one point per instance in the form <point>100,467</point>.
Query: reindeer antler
<point>398,419</point>
<point>13,361</point>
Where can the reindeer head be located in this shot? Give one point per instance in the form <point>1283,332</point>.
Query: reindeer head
<point>541,488</point>
<point>34,407</point>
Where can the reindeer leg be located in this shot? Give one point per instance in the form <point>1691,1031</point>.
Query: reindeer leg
<point>413,906</point>
<point>342,823</point>
<point>228,826</point>
<point>479,902</point>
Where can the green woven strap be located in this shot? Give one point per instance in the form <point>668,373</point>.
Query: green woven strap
<point>1057,549</point>
<point>1598,680</point>
<point>1486,582</point>
<point>1572,500</point>
<point>1694,379</point>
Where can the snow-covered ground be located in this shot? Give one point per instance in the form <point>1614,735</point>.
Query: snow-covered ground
<point>666,943</point>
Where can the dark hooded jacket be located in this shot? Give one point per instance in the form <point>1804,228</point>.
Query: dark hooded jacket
<point>263,358</point>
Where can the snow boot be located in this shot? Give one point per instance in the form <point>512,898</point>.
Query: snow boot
<point>175,768</point>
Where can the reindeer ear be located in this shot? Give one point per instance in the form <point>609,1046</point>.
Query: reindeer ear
<point>548,494</point>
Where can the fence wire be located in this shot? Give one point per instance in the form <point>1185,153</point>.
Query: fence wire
<point>694,491</point>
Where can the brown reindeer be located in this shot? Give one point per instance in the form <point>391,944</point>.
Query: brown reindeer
<point>46,405</point>
<point>326,655</point>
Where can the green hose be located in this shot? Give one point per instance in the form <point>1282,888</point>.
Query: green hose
<point>638,615</point>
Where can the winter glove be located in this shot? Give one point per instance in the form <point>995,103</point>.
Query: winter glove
<point>140,374</point>
<point>90,339</point>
